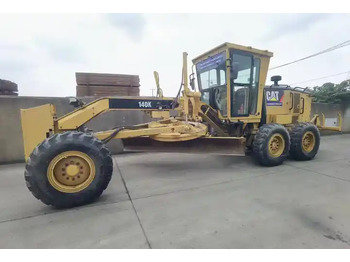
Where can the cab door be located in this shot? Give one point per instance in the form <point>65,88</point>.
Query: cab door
<point>244,83</point>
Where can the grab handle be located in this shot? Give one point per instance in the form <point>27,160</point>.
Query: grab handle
<point>303,104</point>
<point>292,99</point>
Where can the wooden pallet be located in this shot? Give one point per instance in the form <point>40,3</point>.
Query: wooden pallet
<point>95,84</point>
<point>107,91</point>
<point>107,79</point>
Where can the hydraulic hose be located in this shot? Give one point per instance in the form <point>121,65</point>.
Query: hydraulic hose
<point>117,130</point>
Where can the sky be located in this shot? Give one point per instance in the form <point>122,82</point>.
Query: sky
<point>41,53</point>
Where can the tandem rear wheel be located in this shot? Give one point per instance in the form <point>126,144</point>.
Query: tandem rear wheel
<point>271,144</point>
<point>305,141</point>
<point>69,169</point>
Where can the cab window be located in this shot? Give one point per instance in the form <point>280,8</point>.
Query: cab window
<point>208,79</point>
<point>255,87</point>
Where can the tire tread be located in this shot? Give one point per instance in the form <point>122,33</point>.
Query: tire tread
<point>74,137</point>
<point>260,144</point>
<point>296,134</point>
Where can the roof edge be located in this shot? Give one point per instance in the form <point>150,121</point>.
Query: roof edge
<point>235,46</point>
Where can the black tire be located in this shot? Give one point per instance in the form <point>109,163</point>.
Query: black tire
<point>261,147</point>
<point>296,134</point>
<point>39,160</point>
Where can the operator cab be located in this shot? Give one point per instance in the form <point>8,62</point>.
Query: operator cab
<point>229,78</point>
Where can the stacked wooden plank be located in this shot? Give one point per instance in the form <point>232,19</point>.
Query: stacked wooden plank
<point>95,84</point>
<point>8,88</point>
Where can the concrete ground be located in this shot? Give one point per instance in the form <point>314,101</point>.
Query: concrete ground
<point>193,201</point>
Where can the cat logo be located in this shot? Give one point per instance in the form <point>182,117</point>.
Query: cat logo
<point>274,98</point>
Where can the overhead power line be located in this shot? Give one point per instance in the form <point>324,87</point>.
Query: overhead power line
<point>346,43</point>
<point>323,77</point>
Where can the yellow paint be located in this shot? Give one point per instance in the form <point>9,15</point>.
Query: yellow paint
<point>321,124</point>
<point>160,131</point>
<point>276,145</point>
<point>193,131</point>
<point>308,141</point>
<point>296,108</point>
<point>80,116</point>
<point>159,90</point>
<point>37,123</point>
<point>228,83</point>
<point>226,46</point>
<point>160,114</point>
<point>282,119</point>
<point>190,102</point>
<point>71,171</point>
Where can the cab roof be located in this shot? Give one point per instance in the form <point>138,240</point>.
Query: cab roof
<point>232,46</point>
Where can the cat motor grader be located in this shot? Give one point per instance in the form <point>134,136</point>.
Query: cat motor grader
<point>231,111</point>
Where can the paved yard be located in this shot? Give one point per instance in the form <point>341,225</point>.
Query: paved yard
<point>193,201</point>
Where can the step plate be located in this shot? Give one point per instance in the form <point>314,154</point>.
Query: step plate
<point>234,146</point>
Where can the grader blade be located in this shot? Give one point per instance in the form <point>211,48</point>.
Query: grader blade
<point>233,146</point>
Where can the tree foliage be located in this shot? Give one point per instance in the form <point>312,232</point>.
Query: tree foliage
<point>330,92</point>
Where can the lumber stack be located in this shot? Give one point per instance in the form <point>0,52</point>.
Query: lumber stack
<point>8,88</point>
<point>95,84</point>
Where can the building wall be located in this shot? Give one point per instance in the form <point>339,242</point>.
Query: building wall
<point>346,114</point>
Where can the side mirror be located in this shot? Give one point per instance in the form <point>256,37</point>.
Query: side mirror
<point>234,70</point>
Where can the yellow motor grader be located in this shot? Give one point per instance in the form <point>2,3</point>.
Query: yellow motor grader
<point>231,111</point>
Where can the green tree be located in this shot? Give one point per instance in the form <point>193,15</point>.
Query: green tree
<point>329,92</point>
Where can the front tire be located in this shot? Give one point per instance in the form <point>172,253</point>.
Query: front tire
<point>271,144</point>
<point>69,169</point>
<point>305,141</point>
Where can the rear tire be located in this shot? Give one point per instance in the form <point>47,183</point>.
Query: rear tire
<point>46,172</point>
<point>271,144</point>
<point>305,141</point>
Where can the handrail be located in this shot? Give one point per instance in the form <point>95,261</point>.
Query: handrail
<point>303,105</point>
<point>291,94</point>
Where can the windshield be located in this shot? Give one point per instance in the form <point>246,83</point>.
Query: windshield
<point>211,72</point>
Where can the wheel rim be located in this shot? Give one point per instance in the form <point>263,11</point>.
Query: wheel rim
<point>71,171</point>
<point>308,141</point>
<point>276,145</point>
